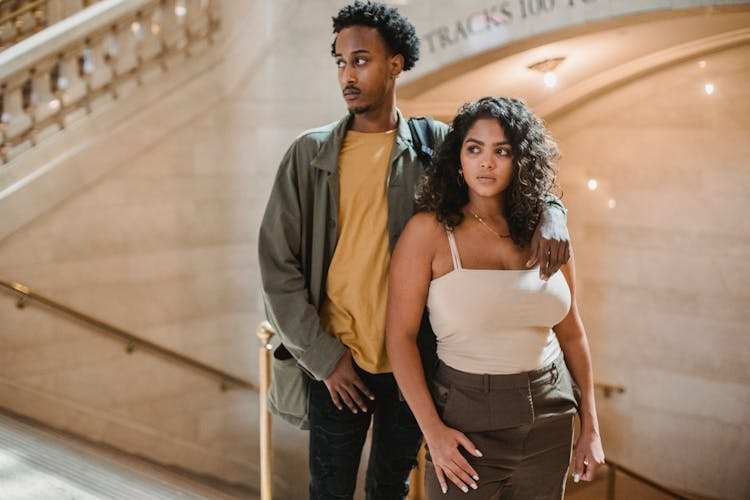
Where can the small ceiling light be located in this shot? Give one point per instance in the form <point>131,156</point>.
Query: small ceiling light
<point>180,9</point>
<point>701,64</point>
<point>611,203</point>
<point>54,104</point>
<point>709,88</point>
<point>592,184</point>
<point>550,79</point>
<point>547,68</point>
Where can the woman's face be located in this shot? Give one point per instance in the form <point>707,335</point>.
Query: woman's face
<point>486,158</point>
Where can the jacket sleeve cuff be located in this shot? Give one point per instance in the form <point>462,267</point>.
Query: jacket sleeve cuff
<point>321,359</point>
<point>553,201</point>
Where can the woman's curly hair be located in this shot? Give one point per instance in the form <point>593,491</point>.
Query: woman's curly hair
<point>533,152</point>
<point>399,34</point>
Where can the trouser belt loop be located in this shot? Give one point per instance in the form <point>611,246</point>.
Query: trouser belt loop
<point>486,382</point>
<point>555,373</point>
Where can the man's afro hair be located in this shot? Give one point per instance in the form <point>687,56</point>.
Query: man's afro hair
<point>396,30</point>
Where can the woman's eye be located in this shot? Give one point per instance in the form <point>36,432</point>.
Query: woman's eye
<point>360,61</point>
<point>473,149</point>
<point>503,152</point>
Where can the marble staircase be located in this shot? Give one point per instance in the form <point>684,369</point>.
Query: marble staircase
<point>37,463</point>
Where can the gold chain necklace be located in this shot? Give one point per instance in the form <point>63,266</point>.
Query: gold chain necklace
<point>481,221</point>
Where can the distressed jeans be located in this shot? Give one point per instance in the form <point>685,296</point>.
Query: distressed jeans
<point>337,437</point>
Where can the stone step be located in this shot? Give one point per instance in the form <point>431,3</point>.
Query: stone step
<point>39,463</point>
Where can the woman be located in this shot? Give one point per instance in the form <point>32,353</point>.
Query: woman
<point>501,385</point>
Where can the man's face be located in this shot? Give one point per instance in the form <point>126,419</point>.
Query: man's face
<point>367,70</point>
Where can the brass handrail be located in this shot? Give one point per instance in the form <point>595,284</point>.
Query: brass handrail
<point>132,341</point>
<point>615,467</point>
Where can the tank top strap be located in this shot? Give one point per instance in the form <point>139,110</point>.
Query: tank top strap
<point>454,250</point>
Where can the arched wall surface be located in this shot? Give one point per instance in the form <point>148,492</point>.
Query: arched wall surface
<point>662,275</point>
<point>455,34</point>
<point>595,58</point>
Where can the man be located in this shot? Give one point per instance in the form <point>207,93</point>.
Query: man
<point>342,196</point>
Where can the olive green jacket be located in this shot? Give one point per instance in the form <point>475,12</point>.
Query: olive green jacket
<point>299,232</point>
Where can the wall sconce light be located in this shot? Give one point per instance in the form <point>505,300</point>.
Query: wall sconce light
<point>547,68</point>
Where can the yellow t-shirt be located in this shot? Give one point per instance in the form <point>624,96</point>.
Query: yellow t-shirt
<point>357,282</point>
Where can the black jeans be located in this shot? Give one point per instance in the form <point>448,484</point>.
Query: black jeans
<point>337,437</point>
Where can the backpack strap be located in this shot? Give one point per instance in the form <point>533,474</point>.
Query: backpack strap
<point>423,138</point>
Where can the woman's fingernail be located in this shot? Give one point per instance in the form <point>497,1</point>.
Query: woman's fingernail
<point>464,489</point>
<point>576,477</point>
<point>478,453</point>
<point>475,477</point>
<point>444,489</point>
<point>474,486</point>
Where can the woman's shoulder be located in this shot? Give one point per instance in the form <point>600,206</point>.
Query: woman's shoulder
<point>420,238</point>
<point>422,230</point>
<point>426,222</point>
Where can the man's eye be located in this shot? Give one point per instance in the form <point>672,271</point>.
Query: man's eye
<point>360,61</point>
<point>340,64</point>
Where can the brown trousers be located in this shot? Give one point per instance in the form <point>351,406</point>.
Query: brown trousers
<point>522,423</point>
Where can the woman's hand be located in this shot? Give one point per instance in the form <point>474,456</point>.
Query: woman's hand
<point>443,443</point>
<point>588,456</point>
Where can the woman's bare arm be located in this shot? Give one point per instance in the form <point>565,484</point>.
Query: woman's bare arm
<point>409,282</point>
<point>571,334</point>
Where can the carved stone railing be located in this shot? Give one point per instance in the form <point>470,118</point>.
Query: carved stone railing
<point>89,59</point>
<point>19,19</point>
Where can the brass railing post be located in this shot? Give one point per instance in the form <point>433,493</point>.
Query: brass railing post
<point>265,332</point>
<point>416,478</point>
<point>611,475</point>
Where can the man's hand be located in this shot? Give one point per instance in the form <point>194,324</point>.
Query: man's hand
<point>550,245</point>
<point>345,385</point>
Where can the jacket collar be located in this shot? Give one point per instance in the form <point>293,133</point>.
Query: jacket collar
<point>328,155</point>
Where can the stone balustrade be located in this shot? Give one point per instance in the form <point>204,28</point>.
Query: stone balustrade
<point>87,60</point>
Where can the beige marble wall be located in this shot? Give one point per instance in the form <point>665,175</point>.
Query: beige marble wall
<point>159,238</point>
<point>162,242</point>
<point>663,275</point>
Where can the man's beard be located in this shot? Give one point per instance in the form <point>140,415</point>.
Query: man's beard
<point>358,110</point>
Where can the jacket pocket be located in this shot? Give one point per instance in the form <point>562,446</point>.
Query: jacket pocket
<point>288,394</point>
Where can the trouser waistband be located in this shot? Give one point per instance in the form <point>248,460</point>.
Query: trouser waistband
<point>488,382</point>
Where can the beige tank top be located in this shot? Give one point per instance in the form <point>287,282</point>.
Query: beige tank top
<point>496,321</point>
